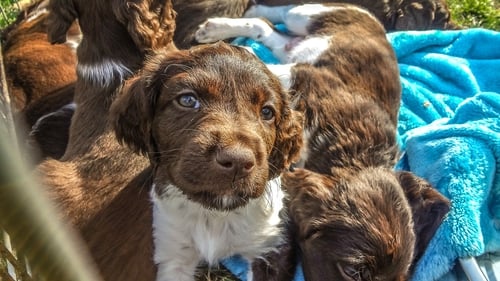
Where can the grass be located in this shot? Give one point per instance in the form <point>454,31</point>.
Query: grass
<point>9,10</point>
<point>476,13</point>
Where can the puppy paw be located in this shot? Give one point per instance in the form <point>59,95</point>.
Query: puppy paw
<point>212,30</point>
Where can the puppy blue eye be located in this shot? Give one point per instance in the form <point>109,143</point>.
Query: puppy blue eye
<point>189,100</point>
<point>267,113</point>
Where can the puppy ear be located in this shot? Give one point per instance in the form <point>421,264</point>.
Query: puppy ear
<point>150,23</point>
<point>62,14</point>
<point>131,116</point>
<point>358,272</point>
<point>288,142</point>
<point>428,206</point>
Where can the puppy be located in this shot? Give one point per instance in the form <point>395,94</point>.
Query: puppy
<point>351,216</point>
<point>218,129</point>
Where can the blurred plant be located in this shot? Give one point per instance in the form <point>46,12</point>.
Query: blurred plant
<point>476,13</point>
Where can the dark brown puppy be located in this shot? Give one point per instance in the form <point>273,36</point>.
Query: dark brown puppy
<point>100,186</point>
<point>218,129</point>
<point>349,199</point>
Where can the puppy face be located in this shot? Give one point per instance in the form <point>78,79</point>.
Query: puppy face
<point>351,228</point>
<point>214,122</point>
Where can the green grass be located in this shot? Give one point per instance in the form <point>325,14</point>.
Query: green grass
<point>476,13</point>
<point>9,11</point>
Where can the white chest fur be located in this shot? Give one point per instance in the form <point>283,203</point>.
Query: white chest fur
<point>186,233</point>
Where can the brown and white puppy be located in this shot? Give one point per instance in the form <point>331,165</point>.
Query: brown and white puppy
<point>393,14</point>
<point>350,208</point>
<point>218,129</point>
<point>100,186</point>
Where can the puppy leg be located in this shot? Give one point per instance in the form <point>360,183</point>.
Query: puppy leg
<point>296,18</point>
<point>215,29</point>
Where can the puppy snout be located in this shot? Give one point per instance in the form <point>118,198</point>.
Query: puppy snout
<point>235,160</point>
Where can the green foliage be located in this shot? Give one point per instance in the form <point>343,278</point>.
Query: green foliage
<point>476,13</point>
<point>9,10</point>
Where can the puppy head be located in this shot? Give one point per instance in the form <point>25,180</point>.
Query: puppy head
<point>150,23</point>
<point>423,14</point>
<point>351,228</point>
<point>213,120</point>
<point>428,206</point>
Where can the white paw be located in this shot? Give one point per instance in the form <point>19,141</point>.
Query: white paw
<point>212,30</point>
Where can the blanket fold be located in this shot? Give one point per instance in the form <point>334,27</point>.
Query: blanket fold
<point>449,128</point>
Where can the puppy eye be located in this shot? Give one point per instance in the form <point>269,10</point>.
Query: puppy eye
<point>188,100</point>
<point>267,113</point>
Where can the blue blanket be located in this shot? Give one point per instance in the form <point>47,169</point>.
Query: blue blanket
<point>449,127</point>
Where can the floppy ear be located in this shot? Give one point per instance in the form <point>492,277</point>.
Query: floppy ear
<point>428,206</point>
<point>62,14</point>
<point>131,115</point>
<point>286,149</point>
<point>150,23</point>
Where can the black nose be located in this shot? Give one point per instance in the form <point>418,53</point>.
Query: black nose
<point>235,160</point>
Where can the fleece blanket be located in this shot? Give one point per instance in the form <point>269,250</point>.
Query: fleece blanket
<point>449,129</point>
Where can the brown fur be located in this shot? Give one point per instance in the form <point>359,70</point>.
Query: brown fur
<point>428,207</point>
<point>100,185</point>
<point>28,56</point>
<point>348,198</point>
<point>36,73</point>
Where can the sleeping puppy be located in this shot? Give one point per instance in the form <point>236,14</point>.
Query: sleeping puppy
<point>349,208</point>
<point>218,130</point>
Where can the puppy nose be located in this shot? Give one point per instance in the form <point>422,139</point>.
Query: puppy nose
<point>237,161</point>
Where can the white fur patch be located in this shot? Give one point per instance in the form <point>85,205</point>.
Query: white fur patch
<point>40,11</point>
<point>186,233</point>
<point>103,73</point>
<point>283,72</point>
<point>309,49</point>
<point>74,41</point>
<point>298,18</point>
